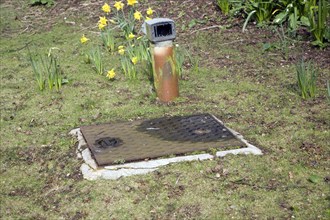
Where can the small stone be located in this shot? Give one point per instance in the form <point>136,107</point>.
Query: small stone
<point>217,175</point>
<point>28,132</point>
<point>225,172</point>
<point>82,120</point>
<point>208,170</point>
<point>233,207</point>
<point>217,168</point>
<point>96,116</point>
<point>127,188</point>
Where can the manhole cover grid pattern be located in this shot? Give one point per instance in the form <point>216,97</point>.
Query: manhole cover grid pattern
<point>138,140</point>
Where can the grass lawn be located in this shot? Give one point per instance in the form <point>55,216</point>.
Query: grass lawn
<point>253,91</point>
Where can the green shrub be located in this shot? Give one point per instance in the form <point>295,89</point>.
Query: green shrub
<point>313,14</point>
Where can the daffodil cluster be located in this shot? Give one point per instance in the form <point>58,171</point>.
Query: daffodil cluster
<point>123,15</point>
<point>138,15</point>
<point>119,16</point>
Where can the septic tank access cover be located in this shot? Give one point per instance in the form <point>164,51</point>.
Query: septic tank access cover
<point>116,143</point>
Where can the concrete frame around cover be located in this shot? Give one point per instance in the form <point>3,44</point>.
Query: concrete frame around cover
<point>91,171</point>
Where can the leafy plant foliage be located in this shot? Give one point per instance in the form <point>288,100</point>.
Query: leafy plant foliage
<point>312,14</point>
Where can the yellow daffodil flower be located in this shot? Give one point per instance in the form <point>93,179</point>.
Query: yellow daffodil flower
<point>101,26</point>
<point>134,60</point>
<point>111,74</point>
<point>83,39</point>
<point>131,36</point>
<point>103,20</point>
<point>132,2</point>
<point>106,8</point>
<point>137,15</point>
<point>147,18</point>
<point>119,5</point>
<point>150,11</point>
<point>121,51</point>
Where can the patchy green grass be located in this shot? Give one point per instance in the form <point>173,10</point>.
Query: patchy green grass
<point>252,92</point>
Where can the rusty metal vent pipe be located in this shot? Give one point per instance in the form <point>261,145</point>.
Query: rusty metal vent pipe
<point>161,33</point>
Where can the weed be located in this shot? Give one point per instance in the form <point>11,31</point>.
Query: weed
<point>38,65</point>
<point>108,39</point>
<point>54,74</point>
<point>46,68</point>
<point>180,56</point>
<point>95,57</point>
<point>224,5</point>
<point>142,50</point>
<point>144,54</point>
<point>284,42</point>
<point>282,45</point>
<point>306,75</point>
<point>128,67</point>
<point>195,66</point>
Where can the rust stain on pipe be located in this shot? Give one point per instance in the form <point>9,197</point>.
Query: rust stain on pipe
<point>165,77</point>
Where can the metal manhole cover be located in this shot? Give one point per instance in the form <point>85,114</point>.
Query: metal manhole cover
<point>138,140</point>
